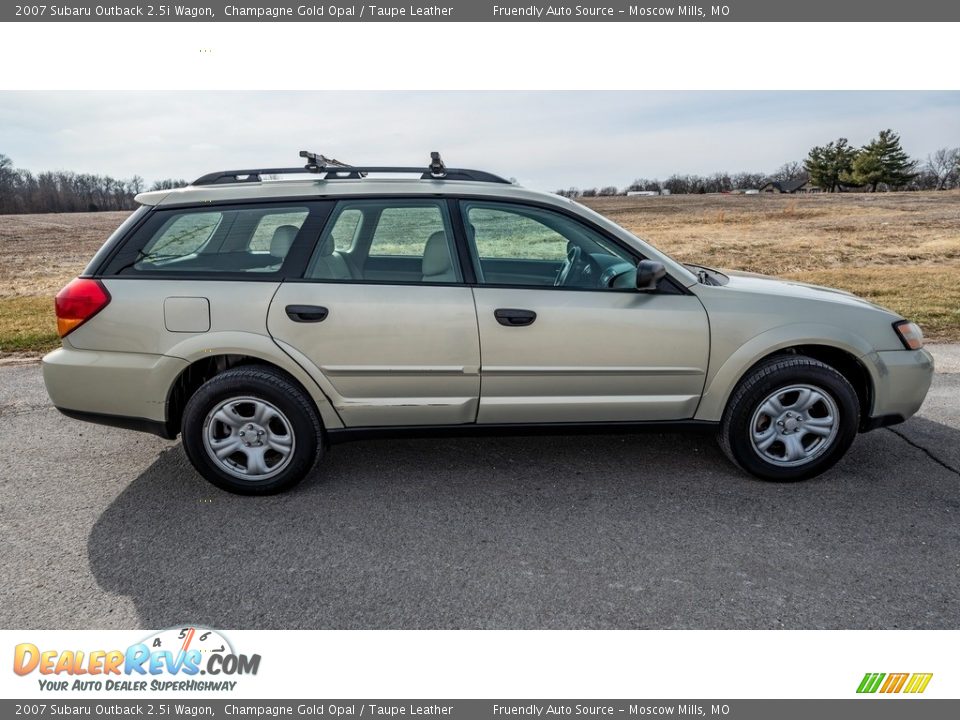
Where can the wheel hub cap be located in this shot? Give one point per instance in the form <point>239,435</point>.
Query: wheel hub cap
<point>789,423</point>
<point>248,438</point>
<point>794,425</point>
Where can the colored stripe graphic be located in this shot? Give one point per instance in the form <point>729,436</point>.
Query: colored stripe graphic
<point>870,682</point>
<point>918,683</point>
<point>894,683</point>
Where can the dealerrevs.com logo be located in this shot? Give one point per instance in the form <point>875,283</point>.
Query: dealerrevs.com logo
<point>178,659</point>
<point>910,683</point>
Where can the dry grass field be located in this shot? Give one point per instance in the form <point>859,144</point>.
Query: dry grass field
<point>901,250</point>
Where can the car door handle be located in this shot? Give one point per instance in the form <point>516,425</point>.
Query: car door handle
<point>512,317</point>
<point>307,313</point>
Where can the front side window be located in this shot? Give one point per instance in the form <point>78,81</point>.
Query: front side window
<point>230,239</point>
<point>530,246</point>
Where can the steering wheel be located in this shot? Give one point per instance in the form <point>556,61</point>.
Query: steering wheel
<point>572,261</point>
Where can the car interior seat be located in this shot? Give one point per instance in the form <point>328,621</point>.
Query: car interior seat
<point>330,264</point>
<point>437,264</point>
<point>281,241</point>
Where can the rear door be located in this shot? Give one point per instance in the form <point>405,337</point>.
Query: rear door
<point>576,343</point>
<point>383,316</point>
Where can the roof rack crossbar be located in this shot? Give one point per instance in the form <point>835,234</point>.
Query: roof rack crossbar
<point>336,170</point>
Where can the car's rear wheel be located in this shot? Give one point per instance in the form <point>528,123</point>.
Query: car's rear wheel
<point>251,430</point>
<point>790,418</point>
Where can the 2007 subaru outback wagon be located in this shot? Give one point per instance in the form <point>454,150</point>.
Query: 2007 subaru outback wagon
<point>263,320</point>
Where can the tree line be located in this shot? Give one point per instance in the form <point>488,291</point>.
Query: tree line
<point>837,166</point>
<point>22,191</point>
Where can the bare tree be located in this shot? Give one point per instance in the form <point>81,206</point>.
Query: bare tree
<point>62,191</point>
<point>790,171</point>
<point>944,166</point>
<point>168,184</point>
<point>748,180</point>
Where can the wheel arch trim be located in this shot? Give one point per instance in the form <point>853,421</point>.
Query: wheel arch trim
<point>257,347</point>
<point>720,385</point>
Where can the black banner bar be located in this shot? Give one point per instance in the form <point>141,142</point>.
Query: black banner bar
<point>483,11</point>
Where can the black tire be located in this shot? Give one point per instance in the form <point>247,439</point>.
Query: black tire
<point>743,412</point>
<point>297,419</point>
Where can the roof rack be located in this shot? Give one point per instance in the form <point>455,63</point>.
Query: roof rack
<point>336,170</point>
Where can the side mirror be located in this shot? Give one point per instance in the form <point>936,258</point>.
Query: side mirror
<point>649,273</point>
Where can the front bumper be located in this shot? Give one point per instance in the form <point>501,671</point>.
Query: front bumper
<point>901,381</point>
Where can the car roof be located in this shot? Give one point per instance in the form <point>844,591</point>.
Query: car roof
<point>315,188</point>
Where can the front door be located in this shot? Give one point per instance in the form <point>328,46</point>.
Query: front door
<point>565,336</point>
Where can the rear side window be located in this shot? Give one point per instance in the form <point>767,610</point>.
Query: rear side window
<point>344,230</point>
<point>228,240</point>
<point>404,231</point>
<point>388,240</point>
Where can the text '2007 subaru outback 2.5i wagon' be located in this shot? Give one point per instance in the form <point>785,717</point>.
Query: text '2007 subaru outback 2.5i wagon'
<point>263,320</point>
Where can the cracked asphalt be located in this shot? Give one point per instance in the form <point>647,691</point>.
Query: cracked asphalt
<point>108,528</point>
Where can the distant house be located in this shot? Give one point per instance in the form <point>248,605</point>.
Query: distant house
<point>790,187</point>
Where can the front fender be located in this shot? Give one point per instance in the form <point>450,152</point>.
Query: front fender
<point>731,368</point>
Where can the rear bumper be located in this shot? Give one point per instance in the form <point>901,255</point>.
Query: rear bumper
<point>901,381</point>
<point>112,388</point>
<point>154,427</point>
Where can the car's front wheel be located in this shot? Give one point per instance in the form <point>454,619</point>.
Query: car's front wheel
<point>251,430</point>
<point>791,418</point>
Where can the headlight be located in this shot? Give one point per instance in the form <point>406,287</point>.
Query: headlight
<point>909,333</point>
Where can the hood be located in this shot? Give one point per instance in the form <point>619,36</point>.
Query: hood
<point>767,285</point>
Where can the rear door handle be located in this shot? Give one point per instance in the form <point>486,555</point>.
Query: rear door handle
<point>512,317</point>
<point>307,313</point>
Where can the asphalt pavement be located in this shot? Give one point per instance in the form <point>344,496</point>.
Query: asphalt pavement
<point>109,528</point>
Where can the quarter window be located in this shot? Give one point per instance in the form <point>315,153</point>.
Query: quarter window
<point>254,240</point>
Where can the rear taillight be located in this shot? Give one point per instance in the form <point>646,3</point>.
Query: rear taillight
<point>79,301</point>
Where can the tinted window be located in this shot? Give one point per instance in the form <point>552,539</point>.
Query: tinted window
<point>254,240</point>
<point>267,227</point>
<point>404,231</point>
<point>526,245</point>
<point>345,229</point>
<point>407,241</point>
<point>505,234</point>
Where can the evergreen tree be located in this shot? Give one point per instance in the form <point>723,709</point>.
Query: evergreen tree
<point>882,160</point>
<point>828,164</point>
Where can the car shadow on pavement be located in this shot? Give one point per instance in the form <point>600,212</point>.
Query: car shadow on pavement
<point>625,531</point>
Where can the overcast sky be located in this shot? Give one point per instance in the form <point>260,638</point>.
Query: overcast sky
<point>547,140</point>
